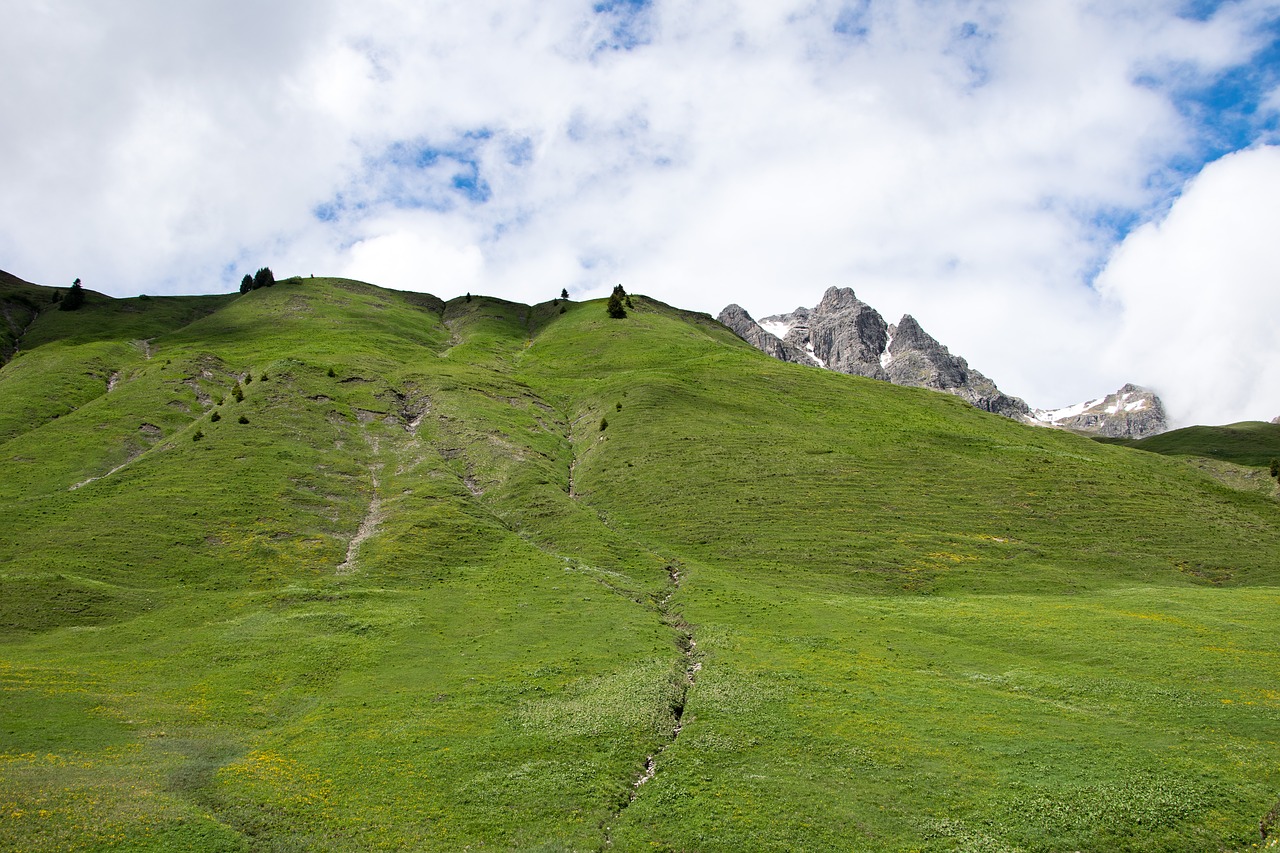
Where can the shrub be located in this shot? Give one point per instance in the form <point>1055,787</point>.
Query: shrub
<point>1275,468</point>
<point>197,435</point>
<point>604,424</point>
<point>244,419</point>
<point>215,417</point>
<point>237,392</point>
<point>332,373</point>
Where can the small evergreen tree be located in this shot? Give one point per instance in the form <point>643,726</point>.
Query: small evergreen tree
<point>263,278</point>
<point>615,307</point>
<point>1275,468</point>
<point>604,424</point>
<point>244,419</point>
<point>246,283</point>
<point>237,393</point>
<point>74,298</point>
<point>564,293</point>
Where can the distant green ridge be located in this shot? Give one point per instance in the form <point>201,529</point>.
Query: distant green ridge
<point>1253,443</point>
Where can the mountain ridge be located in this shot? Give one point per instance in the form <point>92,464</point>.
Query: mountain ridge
<point>327,567</point>
<point>843,333</point>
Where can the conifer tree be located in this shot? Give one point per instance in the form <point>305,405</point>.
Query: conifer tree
<point>615,307</point>
<point>74,298</point>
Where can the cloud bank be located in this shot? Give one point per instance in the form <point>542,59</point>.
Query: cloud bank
<point>994,168</point>
<point>1198,294</point>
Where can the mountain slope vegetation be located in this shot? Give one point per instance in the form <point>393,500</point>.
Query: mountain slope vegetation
<point>328,567</point>
<point>1253,443</point>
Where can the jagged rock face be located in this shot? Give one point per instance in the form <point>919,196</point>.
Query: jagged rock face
<point>845,334</point>
<point>842,333</point>
<point>742,325</point>
<point>915,358</point>
<point>1131,412</point>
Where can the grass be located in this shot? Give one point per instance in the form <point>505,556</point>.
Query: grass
<point>916,626</point>
<point>1251,443</point>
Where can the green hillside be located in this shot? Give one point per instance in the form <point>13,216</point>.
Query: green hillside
<point>329,567</point>
<point>1252,443</point>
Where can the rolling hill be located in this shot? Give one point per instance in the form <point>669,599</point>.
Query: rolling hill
<point>329,567</point>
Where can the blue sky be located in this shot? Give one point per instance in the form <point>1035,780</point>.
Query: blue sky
<point>1035,181</point>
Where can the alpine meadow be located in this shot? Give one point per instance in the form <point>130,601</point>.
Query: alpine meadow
<point>322,566</point>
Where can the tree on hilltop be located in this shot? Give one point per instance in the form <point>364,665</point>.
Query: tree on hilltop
<point>615,307</point>
<point>246,283</point>
<point>74,298</point>
<point>564,293</point>
<point>263,278</point>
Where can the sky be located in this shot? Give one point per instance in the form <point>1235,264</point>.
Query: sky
<point>1071,194</point>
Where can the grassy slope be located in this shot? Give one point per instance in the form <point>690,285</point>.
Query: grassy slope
<point>919,626</point>
<point>1252,443</point>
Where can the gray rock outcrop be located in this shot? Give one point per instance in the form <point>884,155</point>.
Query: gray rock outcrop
<point>1131,412</point>
<point>915,358</point>
<point>848,335</point>
<point>742,325</point>
<point>845,334</point>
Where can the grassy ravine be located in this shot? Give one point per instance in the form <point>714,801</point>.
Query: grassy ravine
<point>420,599</point>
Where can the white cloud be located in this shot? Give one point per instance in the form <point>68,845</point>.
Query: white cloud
<point>946,159</point>
<point>410,259</point>
<point>1199,294</point>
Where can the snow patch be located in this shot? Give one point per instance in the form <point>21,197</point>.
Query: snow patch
<point>885,357</point>
<point>777,328</point>
<point>808,347</point>
<point>1053,416</point>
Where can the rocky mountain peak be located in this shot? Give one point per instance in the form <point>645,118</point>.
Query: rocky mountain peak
<point>845,334</point>
<point>742,325</point>
<point>1131,412</point>
<point>909,335</point>
<point>839,299</point>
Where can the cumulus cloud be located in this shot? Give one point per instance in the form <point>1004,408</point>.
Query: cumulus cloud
<point>972,163</point>
<point>415,259</point>
<point>1198,294</point>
